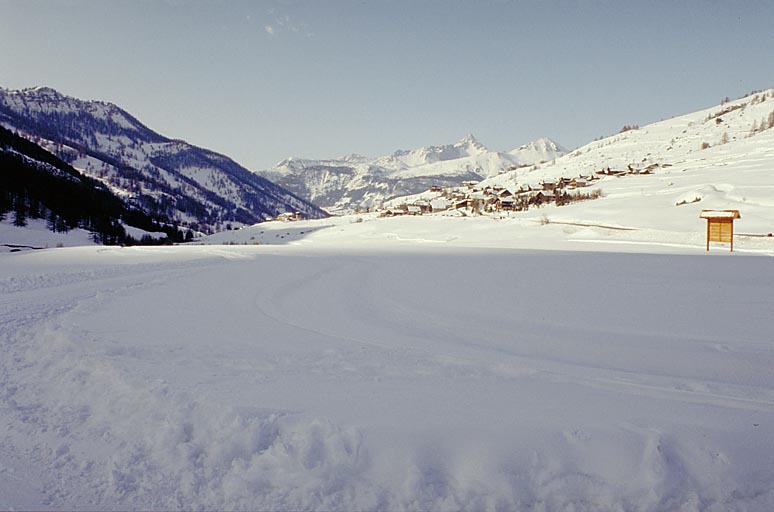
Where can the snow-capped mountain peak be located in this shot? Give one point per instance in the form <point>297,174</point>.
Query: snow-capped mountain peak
<point>542,144</point>
<point>355,182</point>
<point>540,150</point>
<point>354,158</point>
<point>470,145</point>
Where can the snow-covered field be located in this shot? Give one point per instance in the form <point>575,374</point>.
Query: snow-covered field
<point>585,357</point>
<point>423,364</point>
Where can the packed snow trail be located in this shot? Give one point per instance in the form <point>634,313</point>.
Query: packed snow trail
<point>289,378</point>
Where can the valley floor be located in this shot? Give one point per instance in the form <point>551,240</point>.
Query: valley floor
<point>421,377</point>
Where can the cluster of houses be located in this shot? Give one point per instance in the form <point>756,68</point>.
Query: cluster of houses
<point>288,217</point>
<point>650,169</point>
<point>479,200</point>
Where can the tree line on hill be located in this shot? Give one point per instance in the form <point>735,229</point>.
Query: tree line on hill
<point>34,184</point>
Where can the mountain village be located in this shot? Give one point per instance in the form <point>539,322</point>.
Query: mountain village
<point>470,199</point>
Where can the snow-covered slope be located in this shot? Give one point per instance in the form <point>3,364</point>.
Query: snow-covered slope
<point>706,140</point>
<point>357,182</point>
<point>718,158</point>
<point>37,235</point>
<point>191,186</point>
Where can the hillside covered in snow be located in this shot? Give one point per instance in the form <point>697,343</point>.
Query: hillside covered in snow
<point>170,179</point>
<point>719,157</point>
<point>356,182</point>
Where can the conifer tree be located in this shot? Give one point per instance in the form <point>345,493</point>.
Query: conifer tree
<point>19,212</point>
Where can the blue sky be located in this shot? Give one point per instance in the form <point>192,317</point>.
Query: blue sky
<point>261,81</point>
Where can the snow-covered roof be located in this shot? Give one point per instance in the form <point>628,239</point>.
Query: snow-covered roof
<point>720,214</point>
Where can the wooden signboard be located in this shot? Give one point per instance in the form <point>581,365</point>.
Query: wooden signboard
<point>720,225</point>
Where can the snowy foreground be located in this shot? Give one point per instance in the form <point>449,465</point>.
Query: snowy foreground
<point>417,376</point>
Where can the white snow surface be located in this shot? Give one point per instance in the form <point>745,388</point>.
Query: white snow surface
<point>36,235</point>
<point>390,364</point>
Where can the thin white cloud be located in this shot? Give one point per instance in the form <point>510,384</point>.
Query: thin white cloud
<point>285,24</point>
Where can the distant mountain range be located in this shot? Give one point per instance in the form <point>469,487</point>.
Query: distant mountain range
<point>193,188</point>
<point>357,182</point>
<point>173,181</point>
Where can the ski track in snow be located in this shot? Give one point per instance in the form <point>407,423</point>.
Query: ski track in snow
<point>556,369</point>
<point>415,380</point>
